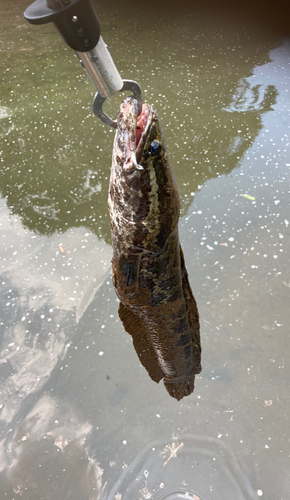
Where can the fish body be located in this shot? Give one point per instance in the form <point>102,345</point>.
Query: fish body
<point>157,306</point>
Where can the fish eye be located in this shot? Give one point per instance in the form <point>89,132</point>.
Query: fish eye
<point>155,148</point>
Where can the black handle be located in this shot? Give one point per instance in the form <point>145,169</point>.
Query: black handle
<point>76,20</point>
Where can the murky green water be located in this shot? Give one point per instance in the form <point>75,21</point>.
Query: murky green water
<point>80,417</point>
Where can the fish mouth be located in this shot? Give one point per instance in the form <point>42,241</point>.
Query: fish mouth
<point>141,123</point>
<point>132,134</point>
<point>142,128</point>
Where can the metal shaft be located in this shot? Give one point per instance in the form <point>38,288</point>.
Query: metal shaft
<point>101,69</point>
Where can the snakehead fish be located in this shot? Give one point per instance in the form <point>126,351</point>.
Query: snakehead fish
<point>157,306</point>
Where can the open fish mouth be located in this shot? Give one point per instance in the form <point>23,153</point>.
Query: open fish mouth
<point>135,131</point>
<point>142,124</point>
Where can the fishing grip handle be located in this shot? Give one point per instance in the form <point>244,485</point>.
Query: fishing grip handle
<point>79,26</point>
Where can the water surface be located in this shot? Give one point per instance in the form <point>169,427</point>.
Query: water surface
<point>80,417</point>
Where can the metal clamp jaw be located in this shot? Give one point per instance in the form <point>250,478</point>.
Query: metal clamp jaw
<point>78,23</point>
<point>98,102</point>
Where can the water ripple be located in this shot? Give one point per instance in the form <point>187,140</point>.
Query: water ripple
<point>187,467</point>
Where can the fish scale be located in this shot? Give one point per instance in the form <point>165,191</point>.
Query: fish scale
<point>157,306</point>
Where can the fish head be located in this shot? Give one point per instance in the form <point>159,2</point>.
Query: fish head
<point>143,195</point>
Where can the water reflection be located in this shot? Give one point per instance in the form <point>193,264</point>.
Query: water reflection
<point>68,268</point>
<point>55,164</point>
<point>46,460</point>
<point>73,395</point>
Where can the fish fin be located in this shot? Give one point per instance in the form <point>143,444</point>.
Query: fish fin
<point>136,328</point>
<point>179,388</point>
<point>192,314</point>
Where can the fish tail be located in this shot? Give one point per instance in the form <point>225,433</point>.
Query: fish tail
<point>179,388</point>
